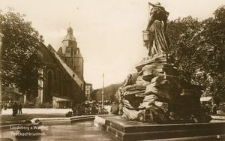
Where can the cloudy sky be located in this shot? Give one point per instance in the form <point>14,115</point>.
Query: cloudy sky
<point>108,32</point>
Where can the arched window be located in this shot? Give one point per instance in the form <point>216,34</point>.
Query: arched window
<point>48,94</point>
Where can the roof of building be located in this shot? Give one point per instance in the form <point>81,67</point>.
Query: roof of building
<point>47,56</point>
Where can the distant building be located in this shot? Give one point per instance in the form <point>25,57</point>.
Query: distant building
<point>88,90</point>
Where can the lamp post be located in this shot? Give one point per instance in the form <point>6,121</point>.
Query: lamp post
<point>103,93</point>
<point>1,53</point>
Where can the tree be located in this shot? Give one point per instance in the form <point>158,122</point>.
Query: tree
<point>200,47</point>
<point>21,58</point>
<point>214,33</point>
<point>182,33</point>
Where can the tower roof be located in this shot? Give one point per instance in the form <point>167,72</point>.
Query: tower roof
<point>69,35</point>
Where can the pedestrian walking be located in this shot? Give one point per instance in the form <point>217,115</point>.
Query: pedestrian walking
<point>1,107</point>
<point>5,106</point>
<point>14,109</point>
<point>214,109</point>
<point>20,106</point>
<point>74,109</point>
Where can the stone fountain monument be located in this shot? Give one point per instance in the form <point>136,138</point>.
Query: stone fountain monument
<point>159,94</point>
<point>159,104</point>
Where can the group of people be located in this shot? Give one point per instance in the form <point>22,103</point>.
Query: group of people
<point>93,108</point>
<point>211,109</point>
<point>16,108</point>
<point>87,108</point>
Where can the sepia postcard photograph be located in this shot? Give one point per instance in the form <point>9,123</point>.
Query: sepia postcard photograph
<point>112,70</point>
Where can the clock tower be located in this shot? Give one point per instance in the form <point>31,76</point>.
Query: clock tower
<point>71,54</point>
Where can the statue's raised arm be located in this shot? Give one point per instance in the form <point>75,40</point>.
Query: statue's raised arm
<point>155,5</point>
<point>157,42</point>
<point>158,12</point>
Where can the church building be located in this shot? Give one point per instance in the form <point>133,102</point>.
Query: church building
<point>63,85</point>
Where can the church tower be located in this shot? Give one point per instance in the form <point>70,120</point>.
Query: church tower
<point>70,53</point>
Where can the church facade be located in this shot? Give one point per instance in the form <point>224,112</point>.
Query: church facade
<point>63,85</point>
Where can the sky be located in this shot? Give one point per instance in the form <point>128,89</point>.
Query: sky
<point>108,32</point>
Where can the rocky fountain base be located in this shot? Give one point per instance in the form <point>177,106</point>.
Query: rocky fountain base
<point>160,95</point>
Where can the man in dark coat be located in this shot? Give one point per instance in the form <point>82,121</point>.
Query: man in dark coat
<point>20,106</point>
<point>14,109</point>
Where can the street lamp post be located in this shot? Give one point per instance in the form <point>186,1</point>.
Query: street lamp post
<point>1,51</point>
<point>103,93</point>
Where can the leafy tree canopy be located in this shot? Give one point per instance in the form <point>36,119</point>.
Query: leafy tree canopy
<point>199,48</point>
<point>21,59</point>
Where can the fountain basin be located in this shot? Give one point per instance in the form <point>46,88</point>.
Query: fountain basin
<point>124,130</point>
